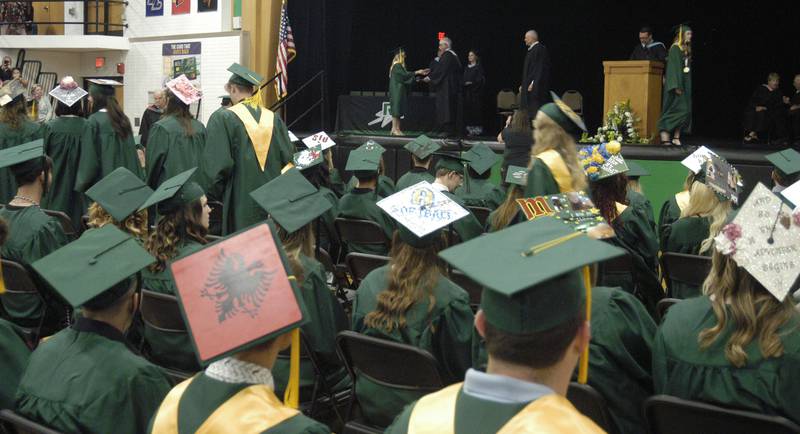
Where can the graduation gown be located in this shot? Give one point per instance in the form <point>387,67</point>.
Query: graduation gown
<point>12,364</point>
<point>794,115</point>
<point>231,169</point>
<point>467,227</point>
<point>772,120</point>
<point>445,331</point>
<point>386,186</point>
<point>682,369</point>
<point>62,143</point>
<point>32,236</point>
<point>327,320</point>
<point>655,51</point>
<point>8,139</point>
<point>671,212</point>
<point>641,202</point>
<point>400,81</point>
<point>203,405</point>
<point>685,236</point>
<point>361,204</point>
<point>102,151</point>
<point>84,379</point>
<point>414,176</point>
<point>483,193</point>
<point>328,237</point>
<point>337,184</point>
<point>676,110</point>
<point>536,70</point>
<point>171,151</point>
<point>446,82</point>
<point>473,92</point>
<point>547,170</point>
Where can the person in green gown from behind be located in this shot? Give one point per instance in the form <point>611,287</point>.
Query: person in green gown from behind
<point>535,326</point>
<point>450,169</point>
<point>635,195</point>
<point>315,168</point>
<point>509,212</point>
<point>477,189</point>
<point>84,378</point>
<point>422,149</point>
<point>676,111</point>
<point>176,142</point>
<point>294,204</point>
<point>411,301</point>
<point>386,186</point>
<point>737,345</point>
<point>786,169</point>
<point>15,129</point>
<point>62,142</point>
<point>248,146</point>
<point>400,81</point>
<point>116,200</point>
<point>107,141</point>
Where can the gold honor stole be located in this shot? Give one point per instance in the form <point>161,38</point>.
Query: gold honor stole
<point>260,132</point>
<point>682,199</point>
<point>253,409</point>
<point>550,414</point>
<point>552,159</point>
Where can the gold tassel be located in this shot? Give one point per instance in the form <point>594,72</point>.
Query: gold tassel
<point>539,248</point>
<point>2,280</point>
<point>583,368</point>
<point>255,101</point>
<point>291,398</point>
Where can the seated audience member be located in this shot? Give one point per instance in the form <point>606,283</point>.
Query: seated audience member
<point>509,212</point>
<point>116,200</point>
<point>765,115</point>
<point>477,190</point>
<point>422,149</point>
<point>794,111</point>
<point>786,169</point>
<point>635,195</point>
<point>517,137</point>
<point>84,378</point>
<point>449,176</point>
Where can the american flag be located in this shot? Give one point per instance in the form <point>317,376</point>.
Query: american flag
<point>286,52</point>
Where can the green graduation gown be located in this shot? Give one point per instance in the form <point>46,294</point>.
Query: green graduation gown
<point>171,151</point>
<point>682,369</point>
<point>540,180</point>
<point>329,238</point>
<point>445,331</point>
<point>400,81</point>
<point>8,139</point>
<point>84,379</point>
<point>414,176</point>
<point>337,184</point>
<point>32,236</point>
<point>102,151</point>
<point>468,227</point>
<point>327,319</point>
<point>12,363</point>
<point>482,193</point>
<point>62,142</point>
<point>676,111</point>
<point>386,186</point>
<point>685,236</point>
<point>231,169</point>
<point>360,204</point>
<point>641,202</point>
<point>671,212</point>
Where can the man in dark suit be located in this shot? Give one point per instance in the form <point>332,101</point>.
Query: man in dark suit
<point>535,86</point>
<point>648,49</point>
<point>445,80</point>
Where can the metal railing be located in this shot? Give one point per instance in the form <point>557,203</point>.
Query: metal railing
<point>281,103</point>
<point>105,25</point>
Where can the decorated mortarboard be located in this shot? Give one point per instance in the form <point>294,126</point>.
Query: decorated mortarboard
<point>320,139</point>
<point>291,200</point>
<point>792,194</point>
<point>421,211</point>
<point>103,85</point>
<point>602,161</point>
<point>8,99</point>
<point>17,155</point>
<point>120,193</point>
<point>564,116</point>
<point>481,158</point>
<point>307,158</point>
<point>697,159</point>
<point>366,157</point>
<point>422,147</point>
<point>635,170</point>
<point>87,270</point>
<point>575,209</point>
<point>68,92</point>
<point>721,177</point>
<point>243,76</point>
<point>174,193</point>
<point>764,239</point>
<point>787,161</point>
<point>292,137</point>
<point>517,175</point>
<point>451,160</point>
<point>187,92</point>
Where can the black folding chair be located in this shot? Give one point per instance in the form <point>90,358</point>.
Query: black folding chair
<point>360,264</point>
<point>215,218</point>
<point>480,213</point>
<point>690,270</point>
<point>64,221</point>
<point>363,232</point>
<point>663,306</point>
<point>20,288</point>
<point>591,403</point>
<point>354,427</point>
<point>162,313</point>
<point>472,287</point>
<point>14,423</point>
<point>669,415</point>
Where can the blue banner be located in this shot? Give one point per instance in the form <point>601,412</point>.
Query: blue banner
<point>154,8</point>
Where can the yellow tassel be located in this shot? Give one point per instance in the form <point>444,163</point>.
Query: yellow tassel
<point>539,248</point>
<point>583,368</point>
<point>2,280</point>
<point>291,398</point>
<point>255,101</point>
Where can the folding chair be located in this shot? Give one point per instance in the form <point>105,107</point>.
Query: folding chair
<point>506,102</point>
<point>663,306</point>
<point>358,231</point>
<point>451,237</point>
<point>162,313</point>
<point>690,270</point>
<point>669,415</point>
<point>574,100</point>
<point>17,424</point>
<point>20,288</point>
<point>64,221</point>
<point>215,218</point>
<point>473,288</point>
<point>360,264</point>
<point>591,403</point>
<point>480,213</point>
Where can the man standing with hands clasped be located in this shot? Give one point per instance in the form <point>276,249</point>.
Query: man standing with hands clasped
<point>535,75</point>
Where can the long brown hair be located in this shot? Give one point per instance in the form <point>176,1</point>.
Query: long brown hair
<point>14,114</point>
<point>520,123</point>
<point>549,135</point>
<point>135,224</point>
<point>119,122</point>
<point>299,242</point>
<point>413,273</point>
<point>173,229</point>
<point>509,209</point>
<point>738,298</point>
<point>177,108</point>
<point>607,192</point>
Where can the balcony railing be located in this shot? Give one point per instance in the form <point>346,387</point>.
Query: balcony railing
<point>100,17</point>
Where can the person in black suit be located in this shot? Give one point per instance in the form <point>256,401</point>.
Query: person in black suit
<point>445,79</point>
<point>766,113</point>
<point>535,86</point>
<point>794,111</point>
<point>648,49</point>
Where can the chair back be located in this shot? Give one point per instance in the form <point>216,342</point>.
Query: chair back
<point>355,427</point>
<point>64,221</point>
<point>663,306</point>
<point>162,312</point>
<point>574,100</point>
<point>215,218</point>
<point>591,403</point>
<point>506,100</point>
<point>480,213</point>
<point>360,231</point>
<point>473,288</point>
<point>688,269</point>
<point>18,424</point>
<point>20,287</point>
<point>360,264</point>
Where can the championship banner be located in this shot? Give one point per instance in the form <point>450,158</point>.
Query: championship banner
<point>154,8</point>
<point>575,209</point>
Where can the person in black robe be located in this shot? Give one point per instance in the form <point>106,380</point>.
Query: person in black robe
<point>535,86</point>
<point>518,138</point>
<point>445,80</point>
<point>794,111</point>
<point>648,49</point>
<point>152,114</point>
<point>474,79</point>
<point>766,114</point>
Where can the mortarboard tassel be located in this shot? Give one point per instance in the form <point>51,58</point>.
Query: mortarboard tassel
<point>291,398</point>
<point>2,280</point>
<point>583,367</point>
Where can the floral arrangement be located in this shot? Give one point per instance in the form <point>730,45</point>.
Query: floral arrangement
<point>620,126</point>
<point>594,158</point>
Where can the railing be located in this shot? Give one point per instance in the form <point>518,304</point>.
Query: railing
<point>108,28</point>
<point>281,103</point>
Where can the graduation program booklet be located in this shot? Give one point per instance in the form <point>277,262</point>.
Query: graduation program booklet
<point>575,209</point>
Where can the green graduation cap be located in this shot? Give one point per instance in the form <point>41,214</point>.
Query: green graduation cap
<point>602,161</point>
<point>291,200</point>
<point>307,158</point>
<point>481,158</point>
<point>635,170</point>
<point>564,116</point>
<point>243,76</point>
<point>517,175</point>
<point>787,162</point>
<point>366,157</point>
<point>120,193</point>
<point>103,86</point>
<point>451,160</point>
<point>21,154</point>
<point>93,269</point>
<point>422,147</point>
<point>174,193</point>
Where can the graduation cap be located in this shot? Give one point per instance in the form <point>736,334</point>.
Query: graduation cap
<point>792,194</point>
<point>243,76</point>
<point>307,158</point>
<point>697,159</point>
<point>422,147</point>
<point>764,239</point>
<point>291,200</point>
<point>103,86</point>
<point>68,92</point>
<point>481,158</point>
<point>564,116</point>
<point>174,193</point>
<point>120,193</point>
<point>533,274</point>
<point>635,170</point>
<point>365,158</point>
<point>451,160</point>
<point>721,177</point>
<point>187,92</point>
<point>23,158</point>
<point>6,99</point>
<point>94,270</point>
<point>602,161</point>
<point>787,162</point>
<point>517,175</point>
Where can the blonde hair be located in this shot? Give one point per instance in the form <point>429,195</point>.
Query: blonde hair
<point>634,185</point>
<point>703,202</point>
<point>135,224</point>
<point>753,312</point>
<point>299,242</point>
<point>547,135</point>
<point>506,212</point>
<point>400,58</point>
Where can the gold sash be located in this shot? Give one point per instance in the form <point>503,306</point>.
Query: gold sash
<point>260,132</point>
<point>620,208</point>
<point>253,409</point>
<point>552,159</point>
<point>435,413</point>
<point>682,199</point>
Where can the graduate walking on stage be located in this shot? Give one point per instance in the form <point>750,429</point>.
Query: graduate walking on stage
<point>676,111</point>
<point>400,81</point>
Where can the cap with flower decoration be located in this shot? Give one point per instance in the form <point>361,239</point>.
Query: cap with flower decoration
<point>68,92</point>
<point>187,92</point>
<point>603,160</point>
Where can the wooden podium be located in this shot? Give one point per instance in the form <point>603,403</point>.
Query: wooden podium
<point>640,82</point>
